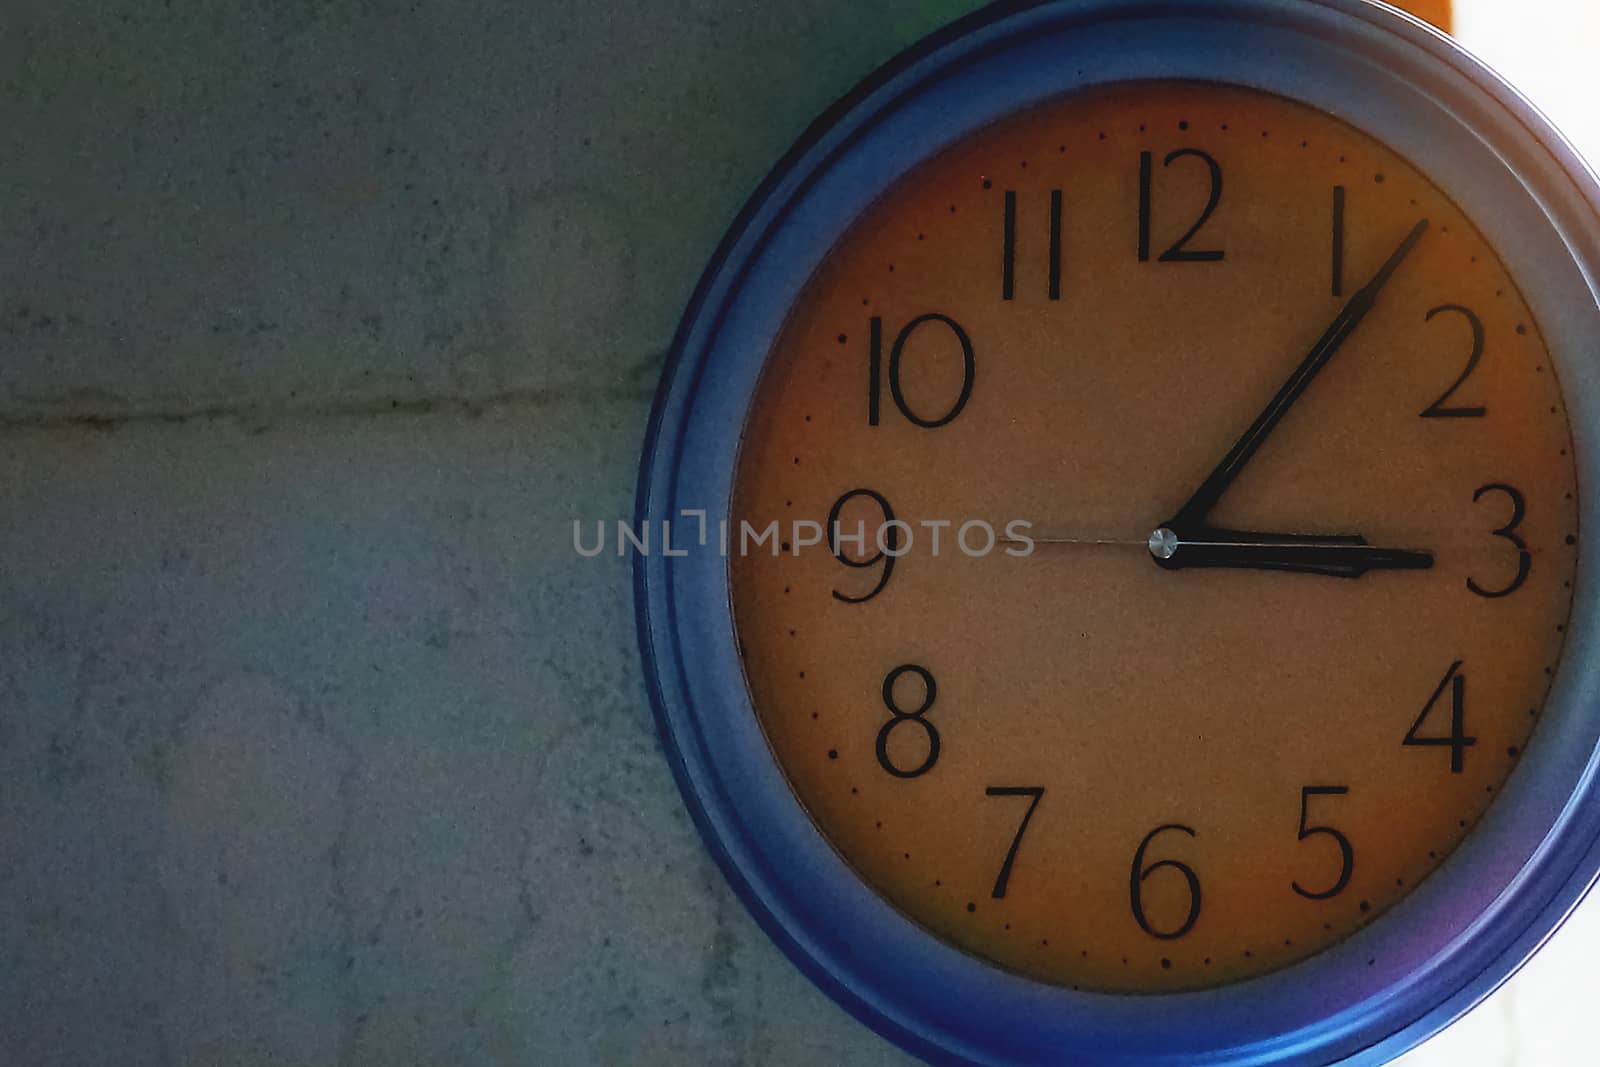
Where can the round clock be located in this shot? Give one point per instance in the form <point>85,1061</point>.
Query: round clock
<point>1120,523</point>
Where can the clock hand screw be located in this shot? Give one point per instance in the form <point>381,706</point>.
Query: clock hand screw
<point>1163,543</point>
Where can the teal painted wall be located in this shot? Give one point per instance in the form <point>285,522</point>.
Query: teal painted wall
<point>319,323</point>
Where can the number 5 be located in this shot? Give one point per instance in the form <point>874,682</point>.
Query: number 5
<point>1348,853</point>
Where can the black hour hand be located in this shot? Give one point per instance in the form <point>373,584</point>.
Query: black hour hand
<point>1332,555</point>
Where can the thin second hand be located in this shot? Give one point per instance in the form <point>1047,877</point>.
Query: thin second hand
<point>1128,542</point>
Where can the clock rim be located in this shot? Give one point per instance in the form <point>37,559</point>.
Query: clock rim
<point>689,649</point>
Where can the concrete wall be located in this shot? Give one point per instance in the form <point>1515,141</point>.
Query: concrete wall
<point>319,322</point>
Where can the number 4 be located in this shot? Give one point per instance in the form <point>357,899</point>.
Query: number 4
<point>1458,741</point>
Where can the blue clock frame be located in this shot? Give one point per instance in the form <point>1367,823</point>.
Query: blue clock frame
<point>1521,871</point>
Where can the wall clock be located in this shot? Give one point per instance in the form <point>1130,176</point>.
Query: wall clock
<point>1242,353</point>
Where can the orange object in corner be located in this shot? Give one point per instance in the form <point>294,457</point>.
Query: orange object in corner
<point>1435,11</point>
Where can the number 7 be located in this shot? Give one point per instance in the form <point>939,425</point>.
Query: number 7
<point>1034,791</point>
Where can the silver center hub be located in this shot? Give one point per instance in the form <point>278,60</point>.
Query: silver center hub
<point>1163,543</point>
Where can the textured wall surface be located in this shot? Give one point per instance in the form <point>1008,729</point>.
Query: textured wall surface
<point>319,322</point>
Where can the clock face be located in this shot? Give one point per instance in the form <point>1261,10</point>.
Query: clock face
<point>1279,475</point>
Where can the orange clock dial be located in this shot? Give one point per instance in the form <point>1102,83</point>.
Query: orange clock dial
<point>1277,474</point>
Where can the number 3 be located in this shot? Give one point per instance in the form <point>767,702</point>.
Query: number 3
<point>1524,558</point>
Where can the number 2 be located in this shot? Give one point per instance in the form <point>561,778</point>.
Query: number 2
<point>1437,410</point>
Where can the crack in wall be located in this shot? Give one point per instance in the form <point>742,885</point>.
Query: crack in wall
<point>103,411</point>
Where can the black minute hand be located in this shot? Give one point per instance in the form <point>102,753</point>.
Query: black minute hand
<point>1190,518</point>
